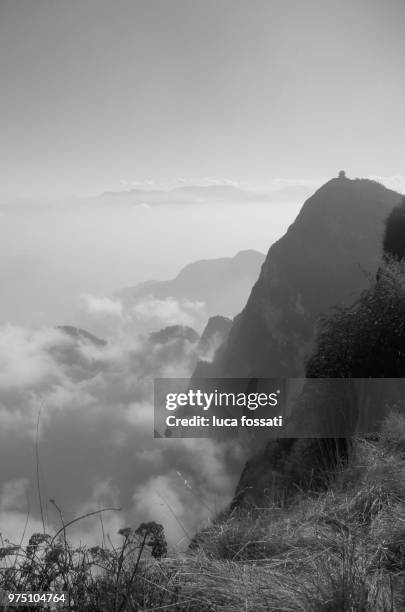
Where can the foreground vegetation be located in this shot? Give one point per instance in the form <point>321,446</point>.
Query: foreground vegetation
<point>341,549</point>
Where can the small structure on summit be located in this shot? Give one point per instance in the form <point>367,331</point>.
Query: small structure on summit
<point>342,174</point>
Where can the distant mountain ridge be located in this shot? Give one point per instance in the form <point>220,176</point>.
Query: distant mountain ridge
<point>184,194</point>
<point>81,335</point>
<point>323,260</point>
<point>223,284</point>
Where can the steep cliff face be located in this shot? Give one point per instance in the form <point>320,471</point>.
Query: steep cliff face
<point>324,259</point>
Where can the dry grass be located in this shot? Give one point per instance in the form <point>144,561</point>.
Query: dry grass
<point>342,550</point>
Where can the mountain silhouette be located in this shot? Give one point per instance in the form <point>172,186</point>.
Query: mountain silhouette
<point>325,259</point>
<point>217,327</point>
<point>172,333</point>
<point>222,284</point>
<point>185,194</point>
<point>77,333</point>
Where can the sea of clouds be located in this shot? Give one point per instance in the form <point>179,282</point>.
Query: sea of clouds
<point>87,410</point>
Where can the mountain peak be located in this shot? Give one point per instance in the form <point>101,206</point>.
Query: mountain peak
<point>324,260</point>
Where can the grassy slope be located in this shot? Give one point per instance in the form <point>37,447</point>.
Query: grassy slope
<point>340,550</point>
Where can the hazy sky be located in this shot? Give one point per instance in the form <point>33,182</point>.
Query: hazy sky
<point>96,92</point>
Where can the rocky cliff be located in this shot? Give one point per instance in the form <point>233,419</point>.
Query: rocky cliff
<point>325,259</point>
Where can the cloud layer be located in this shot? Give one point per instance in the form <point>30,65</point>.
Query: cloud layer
<point>96,444</point>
